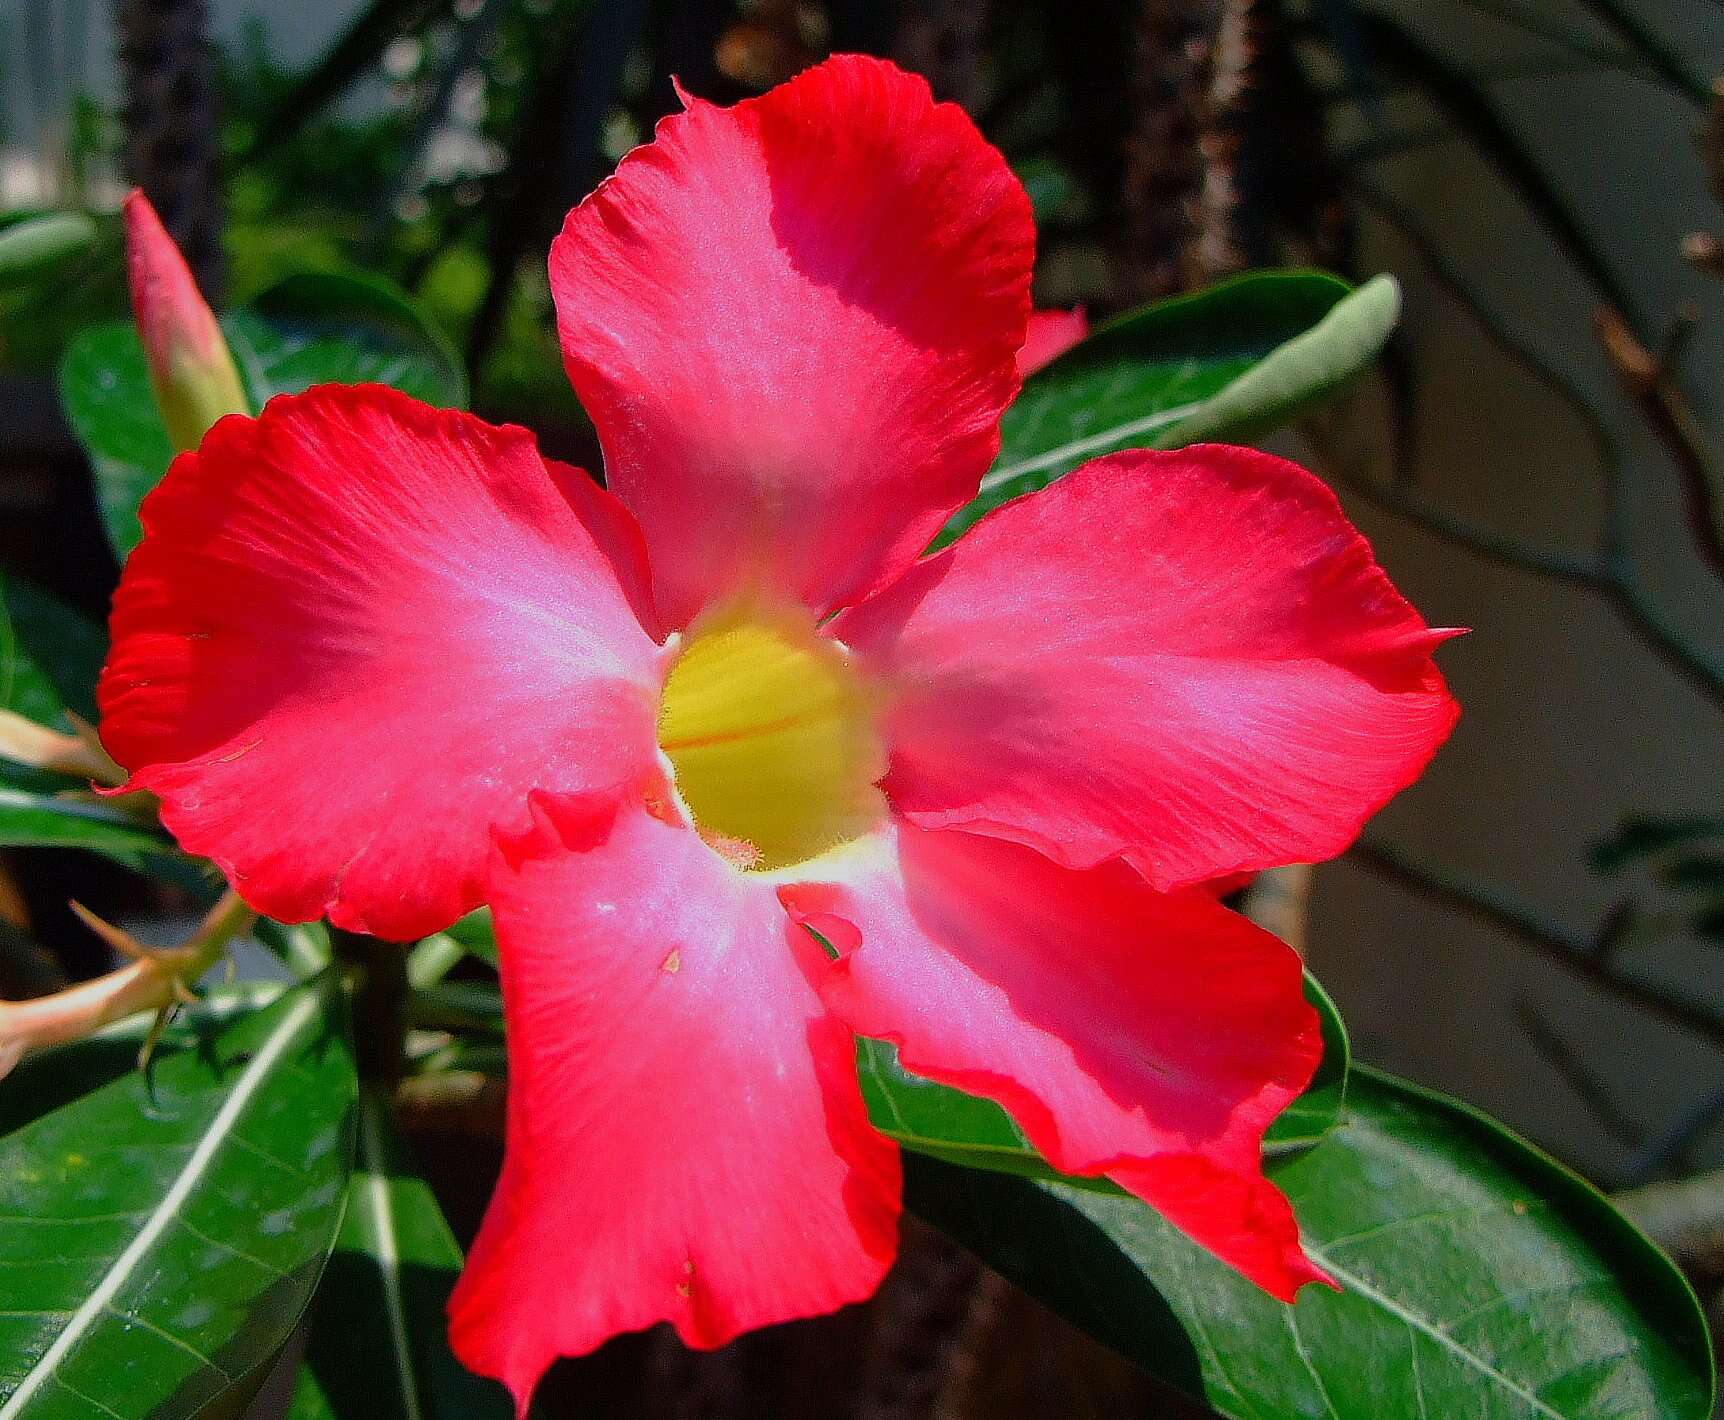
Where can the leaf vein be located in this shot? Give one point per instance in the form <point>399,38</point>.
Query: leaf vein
<point>1436,1333</point>
<point>197,1164</point>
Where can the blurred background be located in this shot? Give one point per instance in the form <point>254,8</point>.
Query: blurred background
<point>1538,926</point>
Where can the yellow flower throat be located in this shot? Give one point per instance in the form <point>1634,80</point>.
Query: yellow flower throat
<point>773,738</point>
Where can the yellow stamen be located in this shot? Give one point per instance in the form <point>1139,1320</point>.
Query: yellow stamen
<point>772,736</point>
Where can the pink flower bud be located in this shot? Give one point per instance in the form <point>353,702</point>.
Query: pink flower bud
<point>191,368</point>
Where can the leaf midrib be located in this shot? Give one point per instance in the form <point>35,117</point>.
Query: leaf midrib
<point>1357,1285</point>
<point>97,1304</point>
<point>72,808</point>
<point>373,1165</point>
<point>999,477</point>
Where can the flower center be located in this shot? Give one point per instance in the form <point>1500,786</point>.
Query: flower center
<point>772,736</point>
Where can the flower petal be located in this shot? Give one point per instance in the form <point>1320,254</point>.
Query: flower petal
<point>1146,1036</point>
<point>357,632</point>
<point>1051,334</point>
<point>687,1140</point>
<point>1190,658</point>
<point>794,323</point>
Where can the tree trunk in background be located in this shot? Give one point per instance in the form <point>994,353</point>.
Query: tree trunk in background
<point>1226,162</point>
<point>168,81</point>
<point>1187,217</point>
<point>1162,188</point>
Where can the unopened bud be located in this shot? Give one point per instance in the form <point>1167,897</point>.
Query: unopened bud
<point>191,367</point>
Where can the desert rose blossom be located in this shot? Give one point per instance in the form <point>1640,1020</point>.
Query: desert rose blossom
<point>383,663</point>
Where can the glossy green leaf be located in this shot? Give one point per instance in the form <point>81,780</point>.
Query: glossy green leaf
<point>1479,1278</point>
<point>30,818</point>
<point>479,1053</point>
<point>1229,363</point>
<point>433,959</point>
<point>1310,1117</point>
<point>303,947</point>
<point>50,656</point>
<point>437,955</point>
<point>46,1080</point>
<point>105,389</point>
<point>1305,371</point>
<point>349,331</point>
<point>378,1345</point>
<point>458,1006</point>
<point>947,1124</point>
<point>161,1236</point>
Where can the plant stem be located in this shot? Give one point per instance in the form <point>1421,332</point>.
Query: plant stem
<point>379,1003</point>
<point>153,981</point>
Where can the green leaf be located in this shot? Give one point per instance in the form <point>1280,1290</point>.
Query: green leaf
<point>433,959</point>
<point>36,242</point>
<point>162,1236</point>
<point>947,1124</point>
<point>63,648</point>
<point>458,1006</point>
<point>1305,371</point>
<point>1480,1278</point>
<point>50,657</point>
<point>325,326</point>
<point>1229,363</point>
<point>302,946</point>
<point>477,934</point>
<point>440,953</point>
<point>105,388</point>
<point>347,331</point>
<point>24,686</point>
<point>32,819</point>
<point>378,1343</point>
<point>45,1080</point>
<point>1310,1117</point>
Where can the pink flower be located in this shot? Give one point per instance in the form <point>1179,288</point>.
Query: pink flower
<point>384,663</point>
